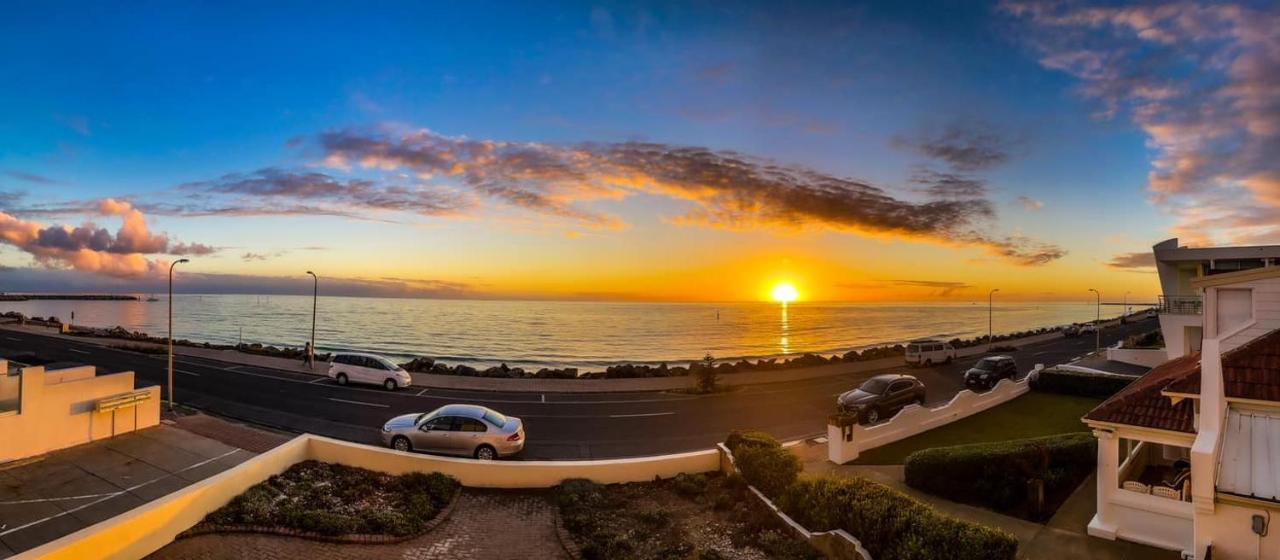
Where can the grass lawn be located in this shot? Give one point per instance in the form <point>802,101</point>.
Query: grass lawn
<point>1033,414</point>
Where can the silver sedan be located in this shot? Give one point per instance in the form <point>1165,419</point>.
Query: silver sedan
<point>457,429</point>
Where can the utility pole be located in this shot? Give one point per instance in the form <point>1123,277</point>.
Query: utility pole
<point>175,263</point>
<point>1097,322</point>
<point>315,296</point>
<point>990,320</point>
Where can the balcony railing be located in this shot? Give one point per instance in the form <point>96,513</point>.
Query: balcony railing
<point>1181,305</point>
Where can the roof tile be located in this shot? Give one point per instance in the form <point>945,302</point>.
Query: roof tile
<point>1142,404</point>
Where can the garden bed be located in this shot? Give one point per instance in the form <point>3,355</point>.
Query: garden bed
<point>337,503</point>
<point>691,516</point>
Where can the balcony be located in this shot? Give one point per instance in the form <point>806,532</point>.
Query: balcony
<point>1181,305</point>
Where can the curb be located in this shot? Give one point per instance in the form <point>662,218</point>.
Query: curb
<point>570,547</point>
<point>203,528</point>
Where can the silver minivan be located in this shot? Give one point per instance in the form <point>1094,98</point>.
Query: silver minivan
<point>368,368</point>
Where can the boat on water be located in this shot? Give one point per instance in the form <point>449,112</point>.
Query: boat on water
<point>152,298</point>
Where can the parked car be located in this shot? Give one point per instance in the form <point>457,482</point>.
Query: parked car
<point>881,396</point>
<point>457,429</point>
<point>1071,331</point>
<point>928,352</point>
<point>1088,328</point>
<point>368,368</point>
<point>990,370</point>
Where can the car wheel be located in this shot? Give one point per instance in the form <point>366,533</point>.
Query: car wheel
<point>401,443</point>
<point>928,363</point>
<point>948,360</point>
<point>873,416</point>
<point>486,453</point>
<point>390,385</point>
<point>342,379</point>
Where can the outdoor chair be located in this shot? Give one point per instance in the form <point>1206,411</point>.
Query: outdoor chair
<point>1135,486</point>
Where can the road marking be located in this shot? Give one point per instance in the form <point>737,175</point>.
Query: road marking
<point>77,351</point>
<point>421,392</point>
<point>544,397</point>
<point>319,379</point>
<point>641,415</point>
<point>186,372</point>
<point>13,339</point>
<point>360,403</point>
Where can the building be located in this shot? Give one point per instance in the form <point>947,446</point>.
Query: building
<point>1180,301</point>
<point>1189,454</point>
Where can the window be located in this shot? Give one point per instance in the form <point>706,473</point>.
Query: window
<point>986,364</point>
<point>899,386</point>
<point>471,425</point>
<point>443,424</point>
<point>913,348</point>
<point>875,386</point>
<point>495,418</point>
<point>341,359</point>
<point>1235,308</point>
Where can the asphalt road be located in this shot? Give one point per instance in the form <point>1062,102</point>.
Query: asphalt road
<point>559,425</point>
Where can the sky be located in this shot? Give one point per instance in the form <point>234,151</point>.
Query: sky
<point>632,151</point>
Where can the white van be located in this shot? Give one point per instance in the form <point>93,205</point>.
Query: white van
<point>368,368</point>
<point>928,352</point>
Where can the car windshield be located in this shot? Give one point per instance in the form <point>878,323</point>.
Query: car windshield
<point>390,365</point>
<point>985,364</point>
<point>875,386</point>
<point>495,418</point>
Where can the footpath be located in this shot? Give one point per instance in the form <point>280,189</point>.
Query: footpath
<point>468,383</point>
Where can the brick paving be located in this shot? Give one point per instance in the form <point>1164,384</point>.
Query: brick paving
<point>485,524</point>
<point>248,438</point>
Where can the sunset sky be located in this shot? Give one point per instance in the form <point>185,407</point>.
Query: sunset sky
<point>655,151</point>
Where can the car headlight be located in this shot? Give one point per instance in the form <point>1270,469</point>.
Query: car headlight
<point>386,428</point>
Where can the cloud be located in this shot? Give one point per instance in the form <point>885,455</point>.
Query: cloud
<point>253,257</point>
<point>949,185</point>
<point>939,287</point>
<point>724,189</point>
<point>90,248</point>
<point>195,249</point>
<point>1138,260</point>
<point>963,146</point>
<point>30,177</point>
<point>310,192</point>
<point>1201,81</point>
<point>1030,204</point>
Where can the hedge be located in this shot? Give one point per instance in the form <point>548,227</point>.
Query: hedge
<point>890,524</point>
<point>770,469</point>
<point>1084,384</point>
<point>738,439</point>
<point>995,474</point>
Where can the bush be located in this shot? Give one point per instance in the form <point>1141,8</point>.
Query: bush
<point>766,465</point>
<point>1151,339</point>
<point>1083,384</point>
<point>995,474</point>
<point>889,524</point>
<point>738,439</point>
<point>689,485</point>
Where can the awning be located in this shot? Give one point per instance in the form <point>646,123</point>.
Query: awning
<point>1250,463</point>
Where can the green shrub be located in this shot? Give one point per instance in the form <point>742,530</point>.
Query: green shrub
<point>1063,382</point>
<point>889,524</point>
<point>995,474</point>
<point>770,469</point>
<point>689,485</point>
<point>737,439</point>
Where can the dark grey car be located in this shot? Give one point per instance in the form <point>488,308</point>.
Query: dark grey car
<point>881,396</point>
<point>990,370</point>
<point>457,429</point>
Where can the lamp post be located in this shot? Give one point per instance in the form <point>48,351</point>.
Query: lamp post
<point>315,295</point>
<point>1126,305</point>
<point>175,263</point>
<point>1097,321</point>
<point>990,321</point>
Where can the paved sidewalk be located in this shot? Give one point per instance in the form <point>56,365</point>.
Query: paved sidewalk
<point>485,525</point>
<point>67,490</point>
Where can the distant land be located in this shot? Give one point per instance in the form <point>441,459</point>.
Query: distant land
<point>71,297</point>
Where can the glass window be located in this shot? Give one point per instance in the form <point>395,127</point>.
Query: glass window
<point>986,364</point>
<point>472,425</point>
<point>875,386</point>
<point>495,418</point>
<point>899,386</point>
<point>913,348</point>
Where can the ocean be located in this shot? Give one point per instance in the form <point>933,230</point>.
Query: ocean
<point>534,334</point>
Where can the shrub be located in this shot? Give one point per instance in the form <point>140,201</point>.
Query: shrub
<point>689,485</point>
<point>1151,339</point>
<point>995,474</point>
<point>891,525</point>
<point>1084,384</point>
<point>770,468</point>
<point>738,439</point>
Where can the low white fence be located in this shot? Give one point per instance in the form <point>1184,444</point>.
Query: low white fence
<point>1146,357</point>
<point>845,443</point>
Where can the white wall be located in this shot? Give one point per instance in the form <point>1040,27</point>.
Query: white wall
<point>1174,329</point>
<point>1265,312</point>
<point>844,444</point>
<point>1146,357</point>
<point>1230,532</point>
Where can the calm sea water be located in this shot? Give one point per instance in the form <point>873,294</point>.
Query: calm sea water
<point>548,334</point>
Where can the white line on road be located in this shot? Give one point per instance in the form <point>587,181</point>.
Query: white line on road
<point>360,403</point>
<point>421,392</point>
<point>319,379</point>
<point>641,415</point>
<point>77,351</point>
<point>13,339</point>
<point>186,372</point>
<point>544,397</point>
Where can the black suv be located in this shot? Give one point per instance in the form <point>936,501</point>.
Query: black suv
<point>989,370</point>
<point>881,396</point>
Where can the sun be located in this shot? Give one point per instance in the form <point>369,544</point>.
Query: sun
<point>784,292</point>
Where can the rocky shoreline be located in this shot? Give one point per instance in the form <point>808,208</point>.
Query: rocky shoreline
<point>425,364</point>
<point>66,297</point>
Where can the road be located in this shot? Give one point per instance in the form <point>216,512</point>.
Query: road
<point>559,425</point>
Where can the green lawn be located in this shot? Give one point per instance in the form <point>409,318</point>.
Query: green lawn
<point>1033,414</point>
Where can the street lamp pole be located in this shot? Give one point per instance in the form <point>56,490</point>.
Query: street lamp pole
<point>990,320</point>
<point>315,296</point>
<point>175,263</point>
<point>1097,321</point>
<point>1126,305</point>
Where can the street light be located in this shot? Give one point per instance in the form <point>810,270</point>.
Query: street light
<point>175,263</point>
<point>1097,322</point>
<point>315,295</point>
<point>989,318</point>
<point>1126,305</point>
